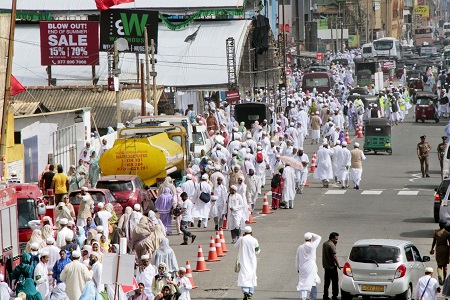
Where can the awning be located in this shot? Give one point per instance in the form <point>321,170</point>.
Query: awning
<point>199,63</point>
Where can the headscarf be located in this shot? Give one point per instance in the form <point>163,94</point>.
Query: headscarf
<point>99,252</point>
<point>90,292</point>
<point>92,234</point>
<point>36,237</point>
<point>168,183</point>
<point>47,231</point>
<point>87,228</point>
<point>81,237</point>
<point>104,245</point>
<point>29,288</point>
<point>191,171</point>
<point>164,201</point>
<point>165,254</point>
<point>24,268</point>
<point>59,292</point>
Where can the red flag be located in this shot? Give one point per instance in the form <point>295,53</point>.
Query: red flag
<point>106,4</point>
<point>16,86</point>
<point>129,288</point>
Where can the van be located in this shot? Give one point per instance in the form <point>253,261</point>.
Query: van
<point>197,134</point>
<point>368,51</point>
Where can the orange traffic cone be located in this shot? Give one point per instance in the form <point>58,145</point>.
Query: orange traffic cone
<point>250,218</point>
<point>360,134</point>
<point>212,254</point>
<point>219,246</point>
<point>189,274</point>
<point>266,207</point>
<point>222,240</point>
<point>313,162</point>
<point>347,138</point>
<point>201,264</point>
<point>306,183</point>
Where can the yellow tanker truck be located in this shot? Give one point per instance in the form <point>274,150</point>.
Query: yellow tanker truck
<point>152,153</point>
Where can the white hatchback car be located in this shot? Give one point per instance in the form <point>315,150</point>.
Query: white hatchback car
<point>382,268</point>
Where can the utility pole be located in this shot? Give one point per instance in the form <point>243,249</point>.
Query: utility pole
<point>284,44</point>
<point>143,99</point>
<point>116,80</point>
<point>153,74</point>
<point>147,65</point>
<point>332,40</point>
<point>7,94</point>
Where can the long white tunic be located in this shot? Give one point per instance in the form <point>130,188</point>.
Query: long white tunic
<point>75,275</point>
<point>5,291</point>
<point>220,191</point>
<point>61,236</point>
<point>336,153</point>
<point>41,279</point>
<point>97,276</point>
<point>189,188</point>
<point>324,170</point>
<point>430,292</point>
<point>248,249</point>
<point>146,276</point>
<point>305,262</point>
<point>53,256</point>
<point>289,184</point>
<point>343,160</point>
<point>235,216</point>
<point>201,209</point>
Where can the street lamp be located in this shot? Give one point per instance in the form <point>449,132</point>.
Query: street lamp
<point>120,44</point>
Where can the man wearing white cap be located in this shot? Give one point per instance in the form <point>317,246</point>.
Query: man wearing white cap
<point>86,206</point>
<point>253,183</point>
<point>202,207</point>
<point>5,291</point>
<point>301,175</point>
<point>288,195</point>
<point>305,262</point>
<point>356,165</point>
<point>324,170</point>
<point>343,160</point>
<point>248,249</point>
<point>75,275</point>
<point>189,187</point>
<point>316,123</point>
<point>53,252</point>
<point>261,164</point>
<point>61,235</point>
<point>96,268</point>
<point>427,287</point>
<point>41,274</point>
<point>103,215</point>
<point>145,274</point>
<point>235,213</point>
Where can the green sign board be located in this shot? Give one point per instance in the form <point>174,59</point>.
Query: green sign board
<point>322,23</point>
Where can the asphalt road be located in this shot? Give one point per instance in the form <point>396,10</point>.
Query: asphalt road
<point>394,202</point>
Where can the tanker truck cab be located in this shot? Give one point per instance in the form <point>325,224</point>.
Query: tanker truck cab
<point>31,209</point>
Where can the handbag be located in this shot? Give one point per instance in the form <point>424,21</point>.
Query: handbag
<point>424,290</point>
<point>205,197</point>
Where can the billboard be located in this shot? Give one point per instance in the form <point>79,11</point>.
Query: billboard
<point>69,43</point>
<point>423,10</point>
<point>130,25</point>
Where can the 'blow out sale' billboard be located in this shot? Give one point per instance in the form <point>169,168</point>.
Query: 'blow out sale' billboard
<point>69,43</point>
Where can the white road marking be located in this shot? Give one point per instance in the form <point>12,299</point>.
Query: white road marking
<point>408,193</point>
<point>335,192</point>
<point>415,177</point>
<point>371,192</point>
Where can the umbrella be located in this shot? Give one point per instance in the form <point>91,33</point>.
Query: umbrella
<point>135,105</point>
<point>293,162</point>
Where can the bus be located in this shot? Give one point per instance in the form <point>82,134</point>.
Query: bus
<point>320,80</point>
<point>423,35</point>
<point>387,47</point>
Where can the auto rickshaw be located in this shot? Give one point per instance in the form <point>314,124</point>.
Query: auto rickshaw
<point>415,76</point>
<point>364,78</point>
<point>377,136</point>
<point>426,107</point>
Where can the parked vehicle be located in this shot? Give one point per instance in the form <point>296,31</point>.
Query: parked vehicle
<point>98,195</point>
<point>382,268</point>
<point>426,108</point>
<point>251,112</point>
<point>439,194</point>
<point>127,189</point>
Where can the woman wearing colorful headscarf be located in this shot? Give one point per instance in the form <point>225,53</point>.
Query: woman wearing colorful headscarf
<point>60,264</point>
<point>164,203</point>
<point>24,269</point>
<point>36,237</point>
<point>90,224</point>
<point>112,224</point>
<point>97,249</point>
<point>28,287</point>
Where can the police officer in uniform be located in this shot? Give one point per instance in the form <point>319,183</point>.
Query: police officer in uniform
<point>423,149</point>
<point>441,151</point>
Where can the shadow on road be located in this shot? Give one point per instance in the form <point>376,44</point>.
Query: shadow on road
<point>419,220</point>
<point>426,233</point>
<point>422,186</point>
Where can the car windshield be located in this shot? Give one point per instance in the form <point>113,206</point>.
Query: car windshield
<point>115,186</point>
<point>96,196</point>
<point>198,139</point>
<point>316,82</point>
<point>27,211</point>
<point>367,50</point>
<point>375,253</point>
<point>424,101</point>
<point>383,45</point>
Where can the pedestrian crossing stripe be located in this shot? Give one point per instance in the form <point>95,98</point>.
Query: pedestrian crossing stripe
<point>335,192</point>
<point>408,193</point>
<point>371,192</point>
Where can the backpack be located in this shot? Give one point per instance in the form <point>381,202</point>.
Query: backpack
<point>275,180</point>
<point>345,110</point>
<point>259,157</point>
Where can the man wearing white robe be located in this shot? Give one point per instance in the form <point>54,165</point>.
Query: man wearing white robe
<point>248,249</point>
<point>305,262</point>
<point>97,268</point>
<point>343,161</point>
<point>201,209</point>
<point>262,166</point>
<point>41,276</point>
<point>5,291</point>
<point>324,170</point>
<point>336,153</point>
<point>301,175</point>
<point>75,275</point>
<point>61,235</point>
<point>189,188</point>
<point>356,165</point>
<point>145,274</point>
<point>53,252</point>
<point>288,195</point>
<point>235,213</point>
<point>253,183</point>
<point>221,193</point>
<point>302,117</point>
